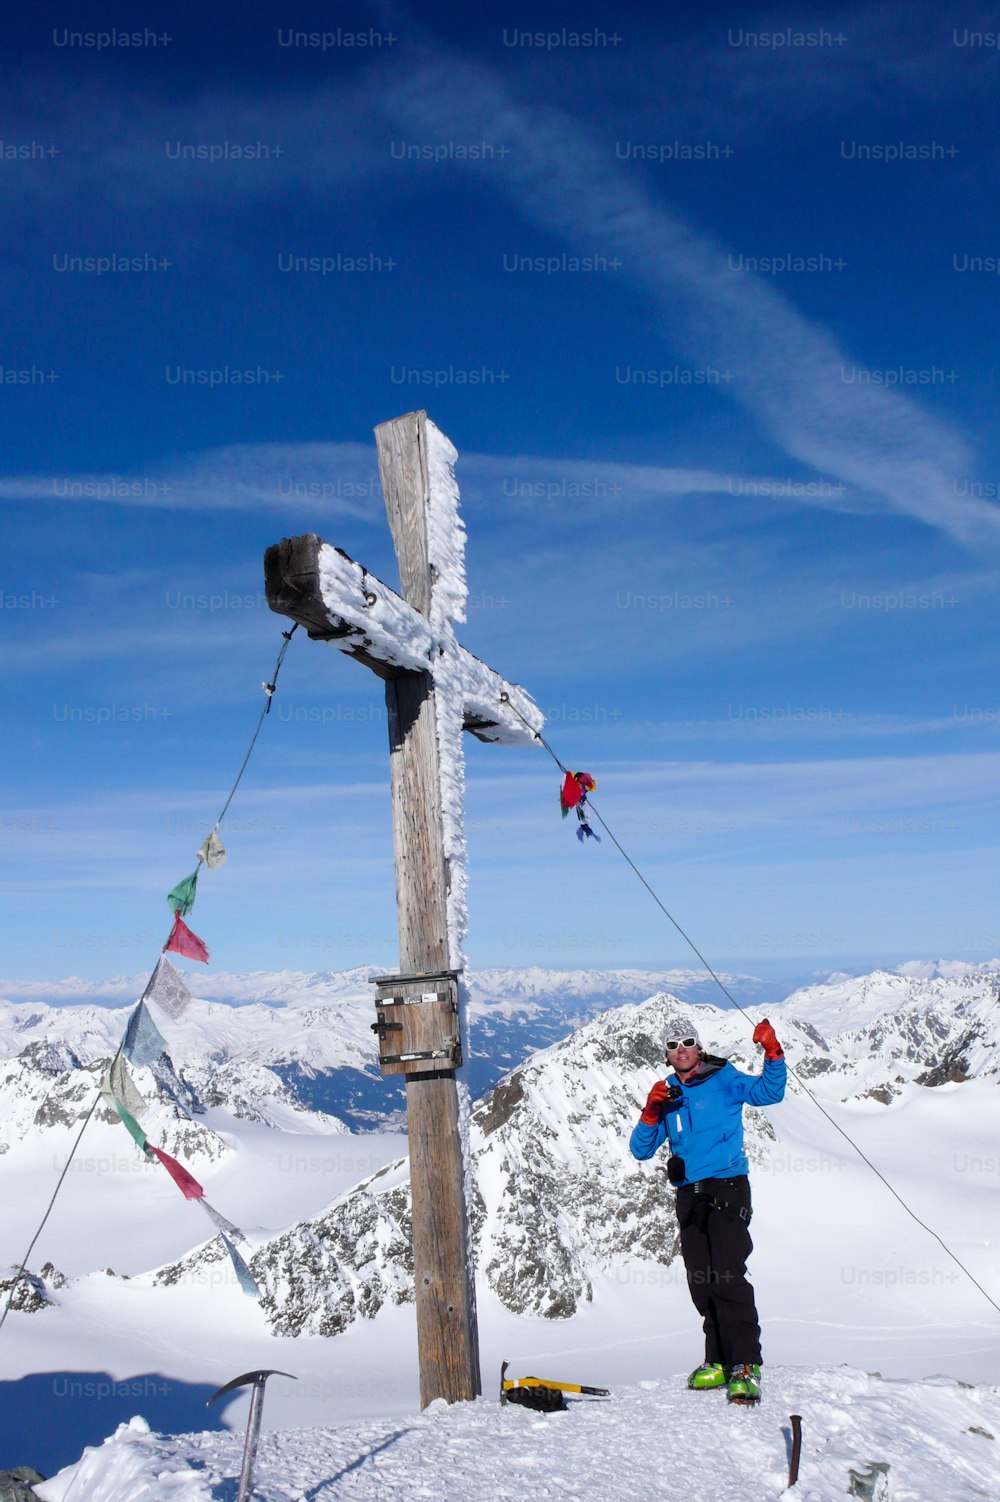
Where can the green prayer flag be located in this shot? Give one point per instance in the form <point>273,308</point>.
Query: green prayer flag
<point>181,899</point>
<point>134,1130</point>
<point>117,1087</point>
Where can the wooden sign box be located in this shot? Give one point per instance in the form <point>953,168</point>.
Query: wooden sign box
<point>417,1027</point>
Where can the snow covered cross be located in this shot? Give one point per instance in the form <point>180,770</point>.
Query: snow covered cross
<point>434,690</point>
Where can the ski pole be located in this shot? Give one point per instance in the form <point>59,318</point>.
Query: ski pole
<point>793,1465</point>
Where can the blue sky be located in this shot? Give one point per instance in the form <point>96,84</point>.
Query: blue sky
<point>708,307</point>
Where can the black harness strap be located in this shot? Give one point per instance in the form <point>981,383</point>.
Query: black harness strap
<point>740,1212</point>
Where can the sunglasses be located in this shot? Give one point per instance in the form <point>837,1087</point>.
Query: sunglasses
<point>673,1043</point>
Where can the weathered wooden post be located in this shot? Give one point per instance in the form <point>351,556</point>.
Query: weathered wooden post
<point>434,689</point>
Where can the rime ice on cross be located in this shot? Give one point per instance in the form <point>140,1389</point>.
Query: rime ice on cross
<point>435,689</point>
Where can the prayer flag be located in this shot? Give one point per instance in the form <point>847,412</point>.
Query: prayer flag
<point>118,1085</point>
<point>211,851</point>
<point>240,1268</point>
<point>572,794</point>
<point>128,1121</point>
<point>167,988</point>
<point>221,1222</point>
<point>183,941</point>
<point>143,1042</point>
<point>188,1186</point>
<point>181,899</point>
<point>135,1131</point>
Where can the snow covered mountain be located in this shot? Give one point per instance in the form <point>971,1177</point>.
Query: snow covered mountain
<point>524,989</point>
<point>46,1091</point>
<point>558,1196</point>
<point>875,1034</point>
<point>556,1193</point>
<point>50,1083</point>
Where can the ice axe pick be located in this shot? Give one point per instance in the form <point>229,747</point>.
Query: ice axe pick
<point>257,1379</point>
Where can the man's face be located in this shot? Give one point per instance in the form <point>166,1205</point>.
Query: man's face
<point>683,1058</point>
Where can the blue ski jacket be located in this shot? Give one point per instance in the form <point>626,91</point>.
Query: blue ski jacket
<point>706,1128</point>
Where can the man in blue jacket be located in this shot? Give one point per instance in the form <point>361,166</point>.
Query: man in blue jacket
<point>699,1111</point>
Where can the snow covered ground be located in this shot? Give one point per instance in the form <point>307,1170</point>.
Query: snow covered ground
<point>937,1440</point>
<point>843,1276</point>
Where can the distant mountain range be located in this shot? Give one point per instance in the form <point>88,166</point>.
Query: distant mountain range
<point>304,1041</point>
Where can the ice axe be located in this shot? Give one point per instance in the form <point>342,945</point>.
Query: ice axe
<point>253,1422</point>
<point>509,1385</point>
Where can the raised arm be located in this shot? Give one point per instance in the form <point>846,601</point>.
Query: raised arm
<point>769,1087</point>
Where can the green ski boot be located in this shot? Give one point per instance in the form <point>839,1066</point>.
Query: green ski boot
<point>709,1374</point>
<point>744,1383</point>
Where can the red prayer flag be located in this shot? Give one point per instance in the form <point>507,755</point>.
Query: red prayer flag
<point>183,941</point>
<point>575,789</point>
<point>571,794</point>
<point>189,1187</point>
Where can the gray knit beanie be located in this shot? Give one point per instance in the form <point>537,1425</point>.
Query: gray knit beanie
<point>680,1027</point>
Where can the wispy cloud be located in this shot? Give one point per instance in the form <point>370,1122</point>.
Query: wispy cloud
<point>563,177</point>
<point>788,371</point>
<point>329,481</point>
<point>324,480</point>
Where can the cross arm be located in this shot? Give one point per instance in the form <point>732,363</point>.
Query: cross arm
<point>496,710</point>
<point>337,600</point>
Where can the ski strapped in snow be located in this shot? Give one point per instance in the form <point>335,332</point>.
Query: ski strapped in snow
<point>535,1391</point>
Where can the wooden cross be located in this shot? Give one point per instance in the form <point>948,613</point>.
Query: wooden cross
<point>434,690</point>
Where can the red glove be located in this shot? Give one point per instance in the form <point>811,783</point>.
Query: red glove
<point>661,1094</point>
<point>764,1033</point>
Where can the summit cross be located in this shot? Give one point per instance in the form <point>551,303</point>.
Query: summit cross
<point>434,689</point>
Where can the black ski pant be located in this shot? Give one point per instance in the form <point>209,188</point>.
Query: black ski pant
<point>715,1244</point>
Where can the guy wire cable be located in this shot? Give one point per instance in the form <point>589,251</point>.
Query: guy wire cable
<point>505,698</point>
<point>22,1267</point>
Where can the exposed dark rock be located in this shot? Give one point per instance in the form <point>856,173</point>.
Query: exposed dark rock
<point>30,1293</point>
<point>810,1067</point>
<point>812,1034</point>
<point>17,1485</point>
<point>871,1485</point>
<point>49,1058</point>
<point>500,1104</point>
<point>884,1094</point>
<point>952,1070</point>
